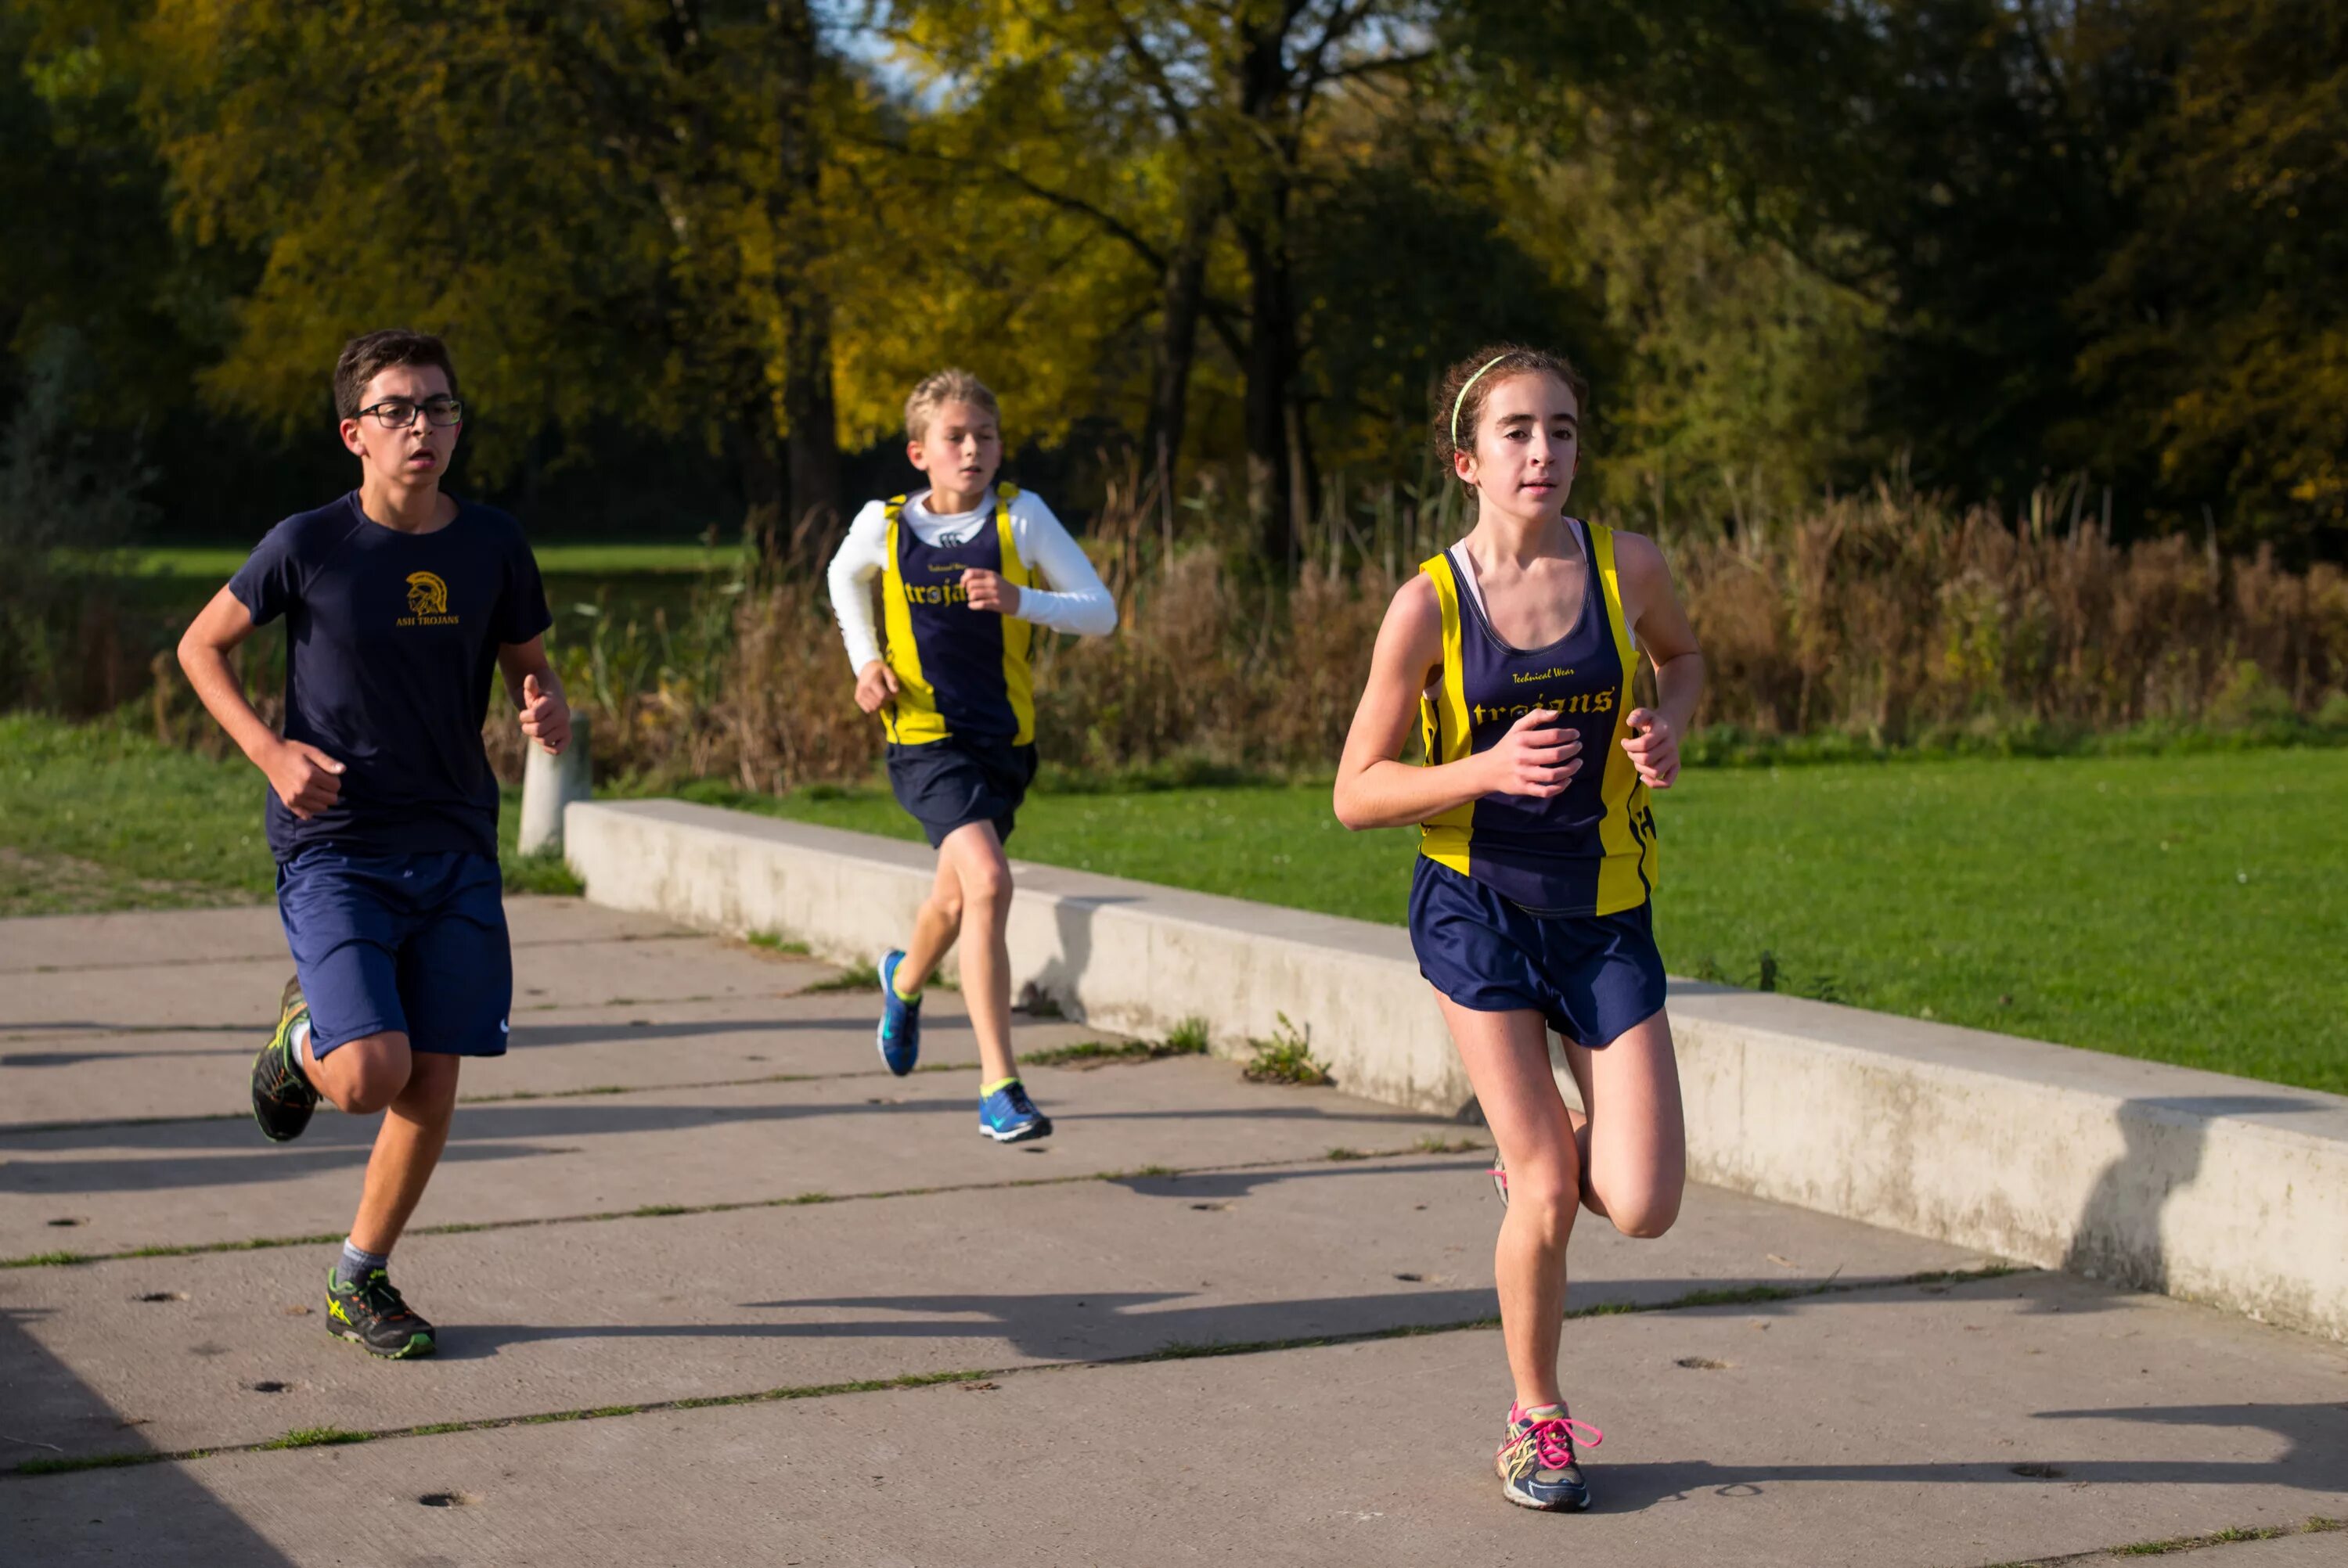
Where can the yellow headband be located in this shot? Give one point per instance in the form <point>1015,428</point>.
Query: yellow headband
<point>1463,397</point>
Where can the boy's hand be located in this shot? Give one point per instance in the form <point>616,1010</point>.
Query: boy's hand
<point>1653,747</point>
<point>545,718</point>
<point>1531,760</point>
<point>987,591</point>
<point>305,778</point>
<point>875,685</point>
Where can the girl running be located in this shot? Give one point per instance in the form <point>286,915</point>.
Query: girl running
<point>1529,908</point>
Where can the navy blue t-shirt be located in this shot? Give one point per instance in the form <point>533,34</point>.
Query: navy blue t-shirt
<point>391,643</point>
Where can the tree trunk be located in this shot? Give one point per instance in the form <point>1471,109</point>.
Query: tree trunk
<point>812,454</point>
<point>1185,285</point>
<point>758,467</point>
<point>1260,208</point>
<point>812,449</point>
<point>1270,369</point>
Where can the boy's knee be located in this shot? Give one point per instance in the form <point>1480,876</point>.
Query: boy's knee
<point>987,884</point>
<point>369,1073</point>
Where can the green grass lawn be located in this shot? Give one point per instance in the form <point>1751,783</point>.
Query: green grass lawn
<point>2190,909</point>
<point>99,817</point>
<point>2186,909</point>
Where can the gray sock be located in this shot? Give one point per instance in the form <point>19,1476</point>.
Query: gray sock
<point>355,1266</point>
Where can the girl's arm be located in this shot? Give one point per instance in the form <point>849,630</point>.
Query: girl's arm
<point>1374,790</point>
<point>1663,630</point>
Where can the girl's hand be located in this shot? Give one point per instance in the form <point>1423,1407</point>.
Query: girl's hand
<point>875,685</point>
<point>987,591</point>
<point>1532,759</point>
<point>1653,748</point>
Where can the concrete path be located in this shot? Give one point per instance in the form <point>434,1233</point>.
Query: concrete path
<point>712,1288</point>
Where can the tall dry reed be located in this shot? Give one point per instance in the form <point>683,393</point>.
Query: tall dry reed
<point>1886,616</point>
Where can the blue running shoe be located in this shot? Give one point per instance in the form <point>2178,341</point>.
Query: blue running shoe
<point>1009,1116</point>
<point>901,1020</point>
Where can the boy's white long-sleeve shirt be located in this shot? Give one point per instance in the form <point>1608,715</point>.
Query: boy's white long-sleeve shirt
<point>1077,600</point>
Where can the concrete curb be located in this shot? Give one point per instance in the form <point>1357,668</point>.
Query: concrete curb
<point>2218,1189</point>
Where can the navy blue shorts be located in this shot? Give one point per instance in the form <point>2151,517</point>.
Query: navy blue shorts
<point>953,782</point>
<point>411,943</point>
<point>1593,977</point>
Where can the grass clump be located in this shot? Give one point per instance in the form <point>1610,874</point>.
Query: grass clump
<point>545,873</point>
<point>316,1438</point>
<point>1431,1145</point>
<point>774,942</point>
<point>846,980</point>
<point>1102,1052</point>
<point>1286,1058</point>
<point>1188,1038</point>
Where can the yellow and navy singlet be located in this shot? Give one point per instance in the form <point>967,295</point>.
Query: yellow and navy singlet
<point>1590,850</point>
<point>958,672</point>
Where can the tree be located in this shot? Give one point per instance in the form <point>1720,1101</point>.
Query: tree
<point>1212,106</point>
<point>1950,161</point>
<point>2219,337</point>
<point>617,209</point>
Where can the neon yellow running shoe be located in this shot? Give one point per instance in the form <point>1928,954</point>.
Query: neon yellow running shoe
<point>282,1099</point>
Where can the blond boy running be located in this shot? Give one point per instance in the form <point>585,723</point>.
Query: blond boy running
<point>955,684</point>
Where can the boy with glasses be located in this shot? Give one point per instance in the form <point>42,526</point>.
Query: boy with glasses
<point>400,600</point>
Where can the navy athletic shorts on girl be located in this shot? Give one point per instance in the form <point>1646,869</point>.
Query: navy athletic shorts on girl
<point>412,943</point>
<point>962,779</point>
<point>1593,977</point>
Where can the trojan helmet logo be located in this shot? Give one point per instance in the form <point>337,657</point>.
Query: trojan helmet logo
<point>426,594</point>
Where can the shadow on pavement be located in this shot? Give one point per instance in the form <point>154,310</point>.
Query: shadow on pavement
<point>492,1131</point>
<point>42,1516</point>
<point>1111,1324</point>
<point>2315,1436</point>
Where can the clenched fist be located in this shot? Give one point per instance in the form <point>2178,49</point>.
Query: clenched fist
<point>1531,760</point>
<point>305,778</point>
<point>988,591</point>
<point>545,718</point>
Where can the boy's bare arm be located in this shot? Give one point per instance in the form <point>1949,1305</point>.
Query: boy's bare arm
<point>536,692</point>
<point>305,778</point>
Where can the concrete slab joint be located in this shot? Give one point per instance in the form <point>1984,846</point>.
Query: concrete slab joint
<point>2213,1188</point>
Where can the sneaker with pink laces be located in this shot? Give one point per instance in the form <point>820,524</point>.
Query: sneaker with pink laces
<point>1537,1464</point>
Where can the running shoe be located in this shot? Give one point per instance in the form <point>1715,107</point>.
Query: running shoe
<point>282,1099</point>
<point>901,1020</point>
<point>1500,1180</point>
<point>371,1316</point>
<point>1537,1464</point>
<point>1009,1116</point>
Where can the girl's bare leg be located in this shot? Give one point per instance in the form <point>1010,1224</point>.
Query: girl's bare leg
<point>1634,1142</point>
<point>1507,1056</point>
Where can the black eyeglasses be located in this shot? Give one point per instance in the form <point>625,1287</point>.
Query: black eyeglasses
<point>398,412</point>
